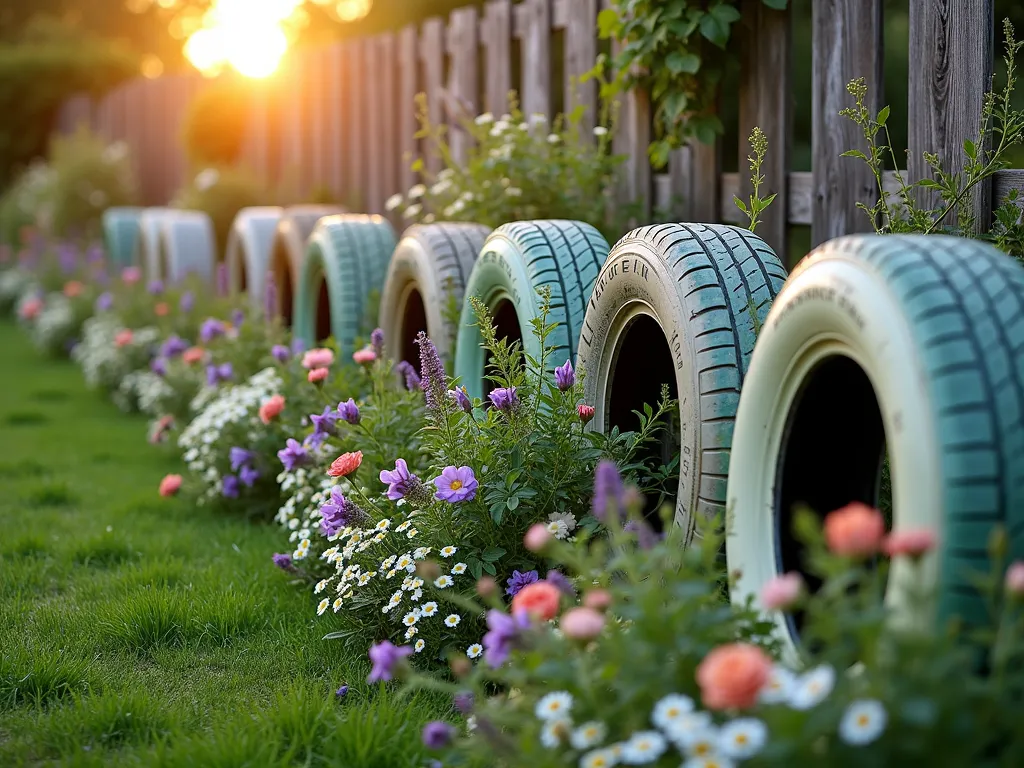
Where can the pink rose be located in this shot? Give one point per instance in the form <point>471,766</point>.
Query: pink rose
<point>1015,578</point>
<point>271,409</point>
<point>131,275</point>
<point>856,530</point>
<point>364,356</point>
<point>582,623</point>
<point>318,358</point>
<point>598,599</point>
<point>912,543</point>
<point>539,599</point>
<point>31,308</point>
<point>537,537</point>
<point>782,591</point>
<point>317,375</point>
<point>731,676</point>
<point>170,485</point>
<point>123,338</point>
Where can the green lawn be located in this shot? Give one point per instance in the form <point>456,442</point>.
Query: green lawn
<point>136,630</point>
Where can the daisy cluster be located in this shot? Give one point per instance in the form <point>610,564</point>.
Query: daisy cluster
<point>54,325</point>
<point>144,391</point>
<point>306,490</point>
<point>14,285</point>
<point>104,363</point>
<point>234,408</point>
<point>678,727</point>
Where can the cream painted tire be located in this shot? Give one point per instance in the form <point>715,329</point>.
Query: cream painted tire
<point>289,249</point>
<point>908,344</point>
<point>673,305</point>
<point>121,233</point>
<point>188,246</point>
<point>148,245</point>
<point>250,246</point>
<point>427,274</point>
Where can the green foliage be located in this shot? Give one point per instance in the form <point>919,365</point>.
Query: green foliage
<point>678,51</point>
<point>756,205</point>
<point>222,192</point>
<point>1002,129</point>
<point>216,122</point>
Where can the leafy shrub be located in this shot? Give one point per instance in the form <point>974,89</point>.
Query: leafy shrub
<point>216,122</point>
<point>222,193</point>
<point>21,201</point>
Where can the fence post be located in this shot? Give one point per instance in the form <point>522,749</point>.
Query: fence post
<point>536,59</point>
<point>497,26</point>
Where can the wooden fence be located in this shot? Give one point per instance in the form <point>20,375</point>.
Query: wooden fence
<point>349,120</point>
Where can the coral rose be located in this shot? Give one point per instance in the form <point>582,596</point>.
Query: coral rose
<point>317,375</point>
<point>912,543</point>
<point>856,530</point>
<point>346,464</point>
<point>193,355</point>
<point>72,288</point>
<point>160,309</point>
<point>782,591</point>
<point>1015,578</point>
<point>317,358</point>
<point>170,485</point>
<point>364,356</point>
<point>582,623</point>
<point>598,599</point>
<point>539,599</point>
<point>731,676</point>
<point>31,308</point>
<point>123,338</point>
<point>537,537</point>
<point>271,409</point>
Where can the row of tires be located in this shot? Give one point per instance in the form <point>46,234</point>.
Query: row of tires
<point>901,347</point>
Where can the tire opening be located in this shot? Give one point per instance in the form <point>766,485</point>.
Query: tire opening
<point>285,295</point>
<point>243,283</point>
<point>641,364</point>
<point>414,320</point>
<point>506,324</point>
<point>323,311</point>
<point>831,454</point>
<point>163,262</point>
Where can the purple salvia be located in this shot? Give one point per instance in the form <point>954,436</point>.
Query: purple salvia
<point>435,385</point>
<point>222,279</point>
<point>608,490</point>
<point>270,298</point>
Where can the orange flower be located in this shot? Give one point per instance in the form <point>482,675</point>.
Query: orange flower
<point>170,485</point>
<point>72,288</point>
<point>193,355</point>
<point>540,600</point>
<point>161,309</point>
<point>123,338</point>
<point>271,409</point>
<point>856,530</point>
<point>731,676</point>
<point>346,464</point>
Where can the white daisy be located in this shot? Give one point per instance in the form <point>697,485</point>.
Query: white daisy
<point>813,687</point>
<point>564,517</point>
<point>419,646</point>
<point>364,579</point>
<point>412,532</point>
<point>690,726</point>
<point>441,582</point>
<point>410,632</point>
<point>555,731</point>
<point>588,735</point>
<point>474,650</point>
<point>402,526</point>
<point>599,758</point>
<point>324,604</point>
<point>337,604</point>
<point>644,747</point>
<point>448,551</point>
<point>554,705</point>
<point>378,538</point>
<point>742,738</point>
<point>320,586</point>
<point>709,761</point>
<point>452,620</point>
<point>459,568</point>
<point>395,599</point>
<point>388,562</point>
<point>411,618</point>
<point>702,743</point>
<point>416,594</point>
<point>863,722</point>
<point>558,529</point>
<point>383,525</point>
<point>405,561</point>
<point>779,686</point>
<point>421,552</point>
<point>428,609</point>
<point>670,709</point>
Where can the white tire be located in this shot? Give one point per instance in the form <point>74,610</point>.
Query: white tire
<point>148,244</point>
<point>250,246</point>
<point>289,250</point>
<point>188,246</point>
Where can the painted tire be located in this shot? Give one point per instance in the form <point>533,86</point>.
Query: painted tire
<point>121,233</point>
<point>149,244</point>
<point>516,260</point>
<point>908,344</point>
<point>428,272</point>
<point>346,261</point>
<point>672,305</point>
<point>289,249</point>
<point>250,245</point>
<point>188,246</point>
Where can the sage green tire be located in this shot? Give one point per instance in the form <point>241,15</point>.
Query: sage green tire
<point>427,275</point>
<point>188,247</point>
<point>289,249</point>
<point>910,345</point>
<point>515,262</point>
<point>250,246</point>
<point>149,245</point>
<point>343,272</point>
<point>121,233</point>
<point>679,305</point>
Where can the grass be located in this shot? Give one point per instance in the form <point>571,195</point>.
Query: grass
<point>140,631</point>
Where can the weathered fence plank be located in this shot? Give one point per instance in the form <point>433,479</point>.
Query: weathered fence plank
<point>354,121</point>
<point>336,89</point>
<point>408,65</point>
<point>463,47</point>
<point>536,58</point>
<point>497,39</point>
<point>432,56</point>
<point>388,126</point>
<point>580,57</point>
<point>375,144</point>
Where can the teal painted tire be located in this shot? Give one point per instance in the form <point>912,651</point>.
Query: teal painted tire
<point>516,260</point>
<point>428,273</point>
<point>121,233</point>
<point>250,246</point>
<point>188,246</point>
<point>909,345</point>
<point>673,305</point>
<point>346,261</point>
<point>149,244</point>
<point>289,249</point>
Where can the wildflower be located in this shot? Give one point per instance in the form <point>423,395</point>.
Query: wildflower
<point>193,355</point>
<point>320,357</point>
<point>455,485</point>
<point>271,408</point>
<point>349,411</point>
<point>432,370</point>
<point>519,580</point>
<point>670,709</point>
<point>555,731</point>
<point>377,341</point>
<point>863,722</point>
<point>239,457</point>
<point>160,309</point>
<point>910,543</point>
<point>504,398</point>
<point>539,599</point>
<point>643,747</point>
<point>393,202</point>
<point>293,455</point>
<point>692,732</point>
<point>155,287</point>
<point>420,553</point>
<point>461,398</point>
<point>173,346</point>
<point>586,412</point>
<point>158,365</point>
<point>215,374</point>
<point>443,582</point>
<point>210,330</point>
<point>428,609</point>
<point>401,482</point>
<point>187,302</point>
<point>581,623</point>
<point>502,633</point>
<point>324,423</point>
<point>599,758</point>
<point>474,650</point>
<point>463,702</point>
<point>364,356</point>
<point>588,735</point>
<point>600,130</point>
<point>565,376</point>
<point>812,688</point>
<point>384,656</point>
<point>281,353</point>
<point>317,375</point>
<point>122,339</point>
<point>1014,582</point>
<point>249,476</point>
<point>282,561</point>
<point>484,119</point>
<point>742,738</point>
<point>339,512</point>
<point>346,464</point>
<point>410,618</point>
<point>452,620</point>
<point>779,686</point>
<point>731,676</point>
<point>459,568</point>
<point>412,379</point>
<point>131,275</point>
<point>556,578</point>
<point>229,487</point>
<point>782,592</point>
<point>420,644</point>
<point>170,485</point>
<point>437,734</point>
<point>557,704</point>
<point>104,302</point>
<point>341,693</point>
<point>412,211</point>
<point>856,530</point>
<point>608,490</point>
<point>537,537</point>
<point>324,605</point>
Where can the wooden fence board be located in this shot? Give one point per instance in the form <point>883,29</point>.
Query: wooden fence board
<point>335,90</point>
<point>580,57</point>
<point>375,144</point>
<point>536,58</point>
<point>432,57</point>
<point>463,46</point>
<point>408,65</point>
<point>497,40</point>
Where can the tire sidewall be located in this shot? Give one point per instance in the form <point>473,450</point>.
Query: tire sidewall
<point>411,268</point>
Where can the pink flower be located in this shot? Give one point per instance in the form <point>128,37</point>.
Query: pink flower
<point>856,530</point>
<point>72,288</point>
<point>170,485</point>
<point>598,599</point>
<point>346,464</point>
<point>912,543</point>
<point>131,275</point>
<point>123,338</point>
<point>193,355</point>
<point>364,356</point>
<point>782,591</point>
<point>271,409</point>
<point>317,375</point>
<point>731,676</point>
<point>582,623</point>
<point>1015,578</point>
<point>586,412</point>
<point>160,309</point>
<point>31,308</point>
<point>539,599</point>
<point>537,537</point>
<point>318,358</point>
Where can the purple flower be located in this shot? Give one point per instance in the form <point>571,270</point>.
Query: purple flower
<point>518,580</point>
<point>608,489</point>
<point>323,423</point>
<point>561,583</point>
<point>158,365</point>
<point>646,538</point>
<point>384,656</point>
<point>565,376</point>
<point>249,476</point>
<point>215,374</point>
<point>270,297</point>
<point>281,353</point>
<point>222,279</point>
<point>377,341</point>
<point>210,330</point>
<point>173,346</point>
<point>437,734</point>
<point>341,693</point>
<point>461,398</point>
<point>432,372</point>
<point>94,255</point>
<point>412,379</point>
<point>104,301</point>
<point>339,513</point>
<point>187,301</point>
<point>314,439</point>
<point>504,398</point>
<point>298,345</point>
<point>502,634</point>
<point>155,287</point>
<point>230,487</point>
<point>67,255</point>
<point>464,702</point>
<point>293,455</point>
<point>349,411</point>
<point>455,485</point>
<point>282,561</point>
<point>239,457</point>
<point>399,480</point>
<point>237,317</point>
